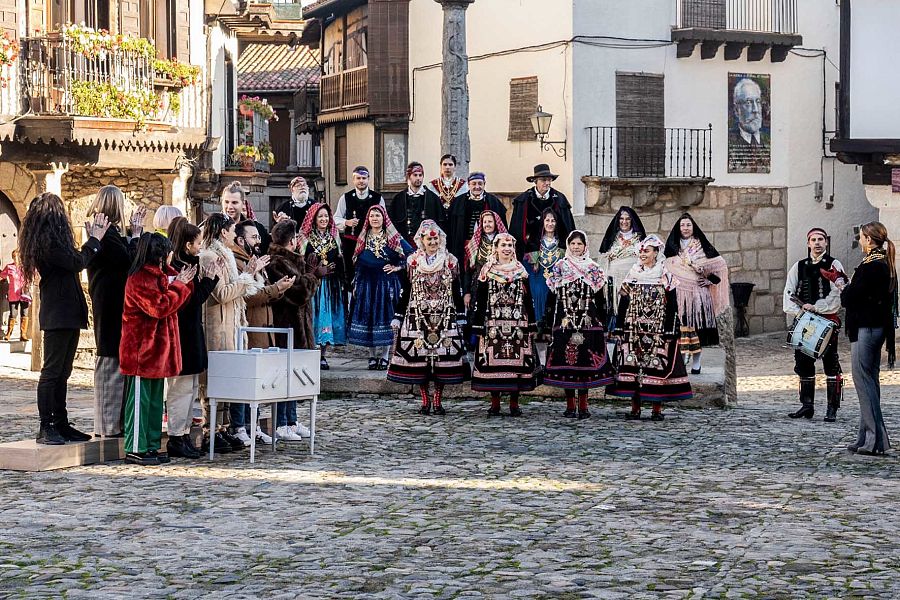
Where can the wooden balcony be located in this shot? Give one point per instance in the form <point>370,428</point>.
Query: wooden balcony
<point>344,96</point>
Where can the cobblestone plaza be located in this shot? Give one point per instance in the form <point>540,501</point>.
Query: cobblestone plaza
<point>736,503</point>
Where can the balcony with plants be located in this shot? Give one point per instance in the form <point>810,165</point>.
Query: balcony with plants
<point>253,150</point>
<point>86,73</point>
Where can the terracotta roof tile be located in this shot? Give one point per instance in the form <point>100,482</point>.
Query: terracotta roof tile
<point>264,67</point>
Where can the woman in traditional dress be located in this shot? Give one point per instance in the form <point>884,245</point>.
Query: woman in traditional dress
<point>702,287</point>
<point>619,248</point>
<point>869,299</point>
<point>478,250</point>
<point>429,343</point>
<point>650,367</point>
<point>576,316</point>
<point>379,258</point>
<point>539,263</point>
<point>319,236</point>
<point>506,359</point>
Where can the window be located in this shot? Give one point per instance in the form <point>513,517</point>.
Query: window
<point>708,14</point>
<point>93,13</point>
<point>230,109</point>
<point>340,154</point>
<point>523,102</point>
<point>640,125</point>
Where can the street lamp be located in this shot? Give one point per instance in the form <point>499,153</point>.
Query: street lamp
<point>540,121</point>
<point>319,186</point>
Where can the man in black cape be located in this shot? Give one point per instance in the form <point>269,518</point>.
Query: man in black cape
<point>525,224</point>
<point>414,204</point>
<point>465,211</point>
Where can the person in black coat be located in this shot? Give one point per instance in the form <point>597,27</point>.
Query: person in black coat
<point>47,248</point>
<point>869,299</point>
<point>299,204</point>
<point>414,204</point>
<point>528,207</point>
<point>107,274</point>
<point>183,389</point>
<point>465,212</point>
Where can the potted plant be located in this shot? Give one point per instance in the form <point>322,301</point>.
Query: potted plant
<point>254,104</point>
<point>265,152</point>
<point>247,156</point>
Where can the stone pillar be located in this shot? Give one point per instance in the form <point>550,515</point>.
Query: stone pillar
<point>47,180</point>
<point>292,163</point>
<point>454,85</point>
<point>725,324</point>
<point>174,187</point>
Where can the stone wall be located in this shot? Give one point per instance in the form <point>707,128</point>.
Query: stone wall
<point>141,186</point>
<point>748,226</point>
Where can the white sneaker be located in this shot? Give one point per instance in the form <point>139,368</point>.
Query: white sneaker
<point>287,434</point>
<point>262,437</point>
<point>241,434</point>
<point>300,429</point>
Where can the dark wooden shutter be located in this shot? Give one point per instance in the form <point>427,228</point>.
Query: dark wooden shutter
<point>130,17</point>
<point>640,125</point>
<point>523,102</point>
<point>9,18</point>
<point>388,58</point>
<point>707,14</point>
<point>340,154</point>
<point>182,26</point>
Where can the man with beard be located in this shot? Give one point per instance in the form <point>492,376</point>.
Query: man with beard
<point>748,142</point>
<point>809,287</point>
<point>236,205</point>
<point>296,207</point>
<point>526,224</point>
<point>414,204</point>
<point>464,214</point>
<point>246,245</point>
<point>351,212</point>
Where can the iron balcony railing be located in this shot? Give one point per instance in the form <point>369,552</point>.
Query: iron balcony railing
<point>650,152</point>
<point>763,16</point>
<point>59,79</point>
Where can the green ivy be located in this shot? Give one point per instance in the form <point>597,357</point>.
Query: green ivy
<point>95,99</point>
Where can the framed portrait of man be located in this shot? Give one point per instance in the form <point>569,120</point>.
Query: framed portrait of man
<point>749,123</point>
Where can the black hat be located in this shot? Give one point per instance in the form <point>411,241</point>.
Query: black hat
<point>542,171</point>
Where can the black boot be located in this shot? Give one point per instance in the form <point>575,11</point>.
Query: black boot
<point>807,399</point>
<point>49,436</point>
<point>69,433</point>
<point>834,388</point>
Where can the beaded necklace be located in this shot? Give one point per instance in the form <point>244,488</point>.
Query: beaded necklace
<point>376,243</point>
<point>322,244</point>
<point>575,298</point>
<point>431,306</point>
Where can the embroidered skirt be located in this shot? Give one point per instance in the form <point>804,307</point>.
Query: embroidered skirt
<point>578,359</point>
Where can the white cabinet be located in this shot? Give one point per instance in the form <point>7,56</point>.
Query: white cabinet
<point>262,375</point>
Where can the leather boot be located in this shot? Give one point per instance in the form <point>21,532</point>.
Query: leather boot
<point>48,435</point>
<point>807,399</point>
<point>23,332</point>
<point>10,325</point>
<point>834,388</point>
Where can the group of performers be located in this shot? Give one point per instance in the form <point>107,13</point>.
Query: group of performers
<point>439,272</point>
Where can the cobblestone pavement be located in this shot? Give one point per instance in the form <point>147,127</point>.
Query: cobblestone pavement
<point>738,503</point>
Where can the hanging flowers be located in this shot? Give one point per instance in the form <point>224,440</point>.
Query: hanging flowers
<point>91,42</point>
<point>255,104</point>
<point>181,73</point>
<point>9,52</point>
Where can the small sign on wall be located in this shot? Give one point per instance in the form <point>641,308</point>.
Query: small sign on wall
<point>895,181</point>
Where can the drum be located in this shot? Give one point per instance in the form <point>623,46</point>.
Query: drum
<point>810,334</point>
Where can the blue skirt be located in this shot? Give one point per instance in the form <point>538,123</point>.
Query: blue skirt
<point>329,317</point>
<point>539,290</point>
<point>375,295</point>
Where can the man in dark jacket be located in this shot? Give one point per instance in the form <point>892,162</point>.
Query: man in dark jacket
<point>351,211</point>
<point>298,205</point>
<point>465,211</point>
<point>525,224</point>
<point>414,204</point>
<point>236,205</point>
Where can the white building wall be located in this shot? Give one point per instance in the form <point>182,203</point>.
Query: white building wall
<point>495,26</point>
<point>220,40</point>
<point>696,94</point>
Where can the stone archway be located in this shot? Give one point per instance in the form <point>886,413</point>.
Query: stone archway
<point>18,185</point>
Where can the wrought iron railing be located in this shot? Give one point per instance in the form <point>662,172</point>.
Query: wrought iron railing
<point>651,152</point>
<point>765,16</point>
<point>347,89</point>
<point>60,79</point>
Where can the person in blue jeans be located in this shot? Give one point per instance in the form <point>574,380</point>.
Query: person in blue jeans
<point>869,299</point>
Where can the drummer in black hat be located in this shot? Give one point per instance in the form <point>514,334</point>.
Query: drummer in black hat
<point>525,224</point>
<point>809,288</point>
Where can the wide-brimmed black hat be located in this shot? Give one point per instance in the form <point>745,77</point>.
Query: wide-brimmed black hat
<point>541,171</point>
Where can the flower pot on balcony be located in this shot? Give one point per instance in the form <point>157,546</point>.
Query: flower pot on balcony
<point>248,163</point>
<point>245,111</point>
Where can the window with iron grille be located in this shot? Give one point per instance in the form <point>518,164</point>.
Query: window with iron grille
<point>523,102</point>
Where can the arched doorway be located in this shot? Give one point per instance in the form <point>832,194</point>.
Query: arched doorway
<point>9,240</point>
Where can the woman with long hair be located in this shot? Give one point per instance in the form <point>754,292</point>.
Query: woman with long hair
<point>225,310</point>
<point>183,389</point>
<point>539,263</point>
<point>429,346</point>
<point>379,258</point>
<point>506,359</point>
<point>47,248</point>
<point>702,287</point>
<point>150,350</point>
<point>869,299</point>
<point>107,275</point>
<point>319,236</point>
<point>577,359</point>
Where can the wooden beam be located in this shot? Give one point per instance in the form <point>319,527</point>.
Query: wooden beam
<point>734,50</point>
<point>756,52</point>
<point>709,49</point>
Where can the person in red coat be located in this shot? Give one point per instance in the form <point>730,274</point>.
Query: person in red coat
<point>150,349</point>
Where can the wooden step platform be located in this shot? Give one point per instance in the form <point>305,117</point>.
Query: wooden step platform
<point>27,455</point>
